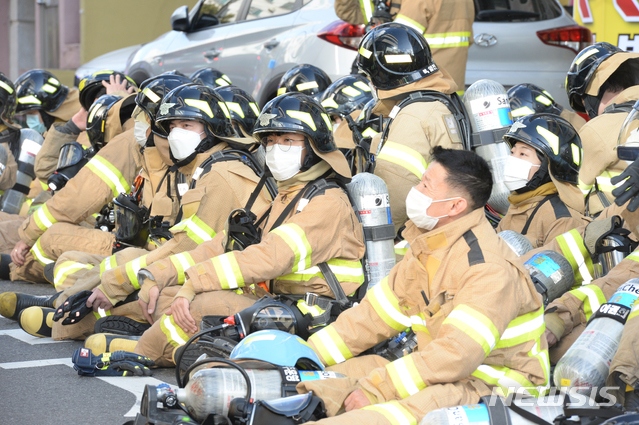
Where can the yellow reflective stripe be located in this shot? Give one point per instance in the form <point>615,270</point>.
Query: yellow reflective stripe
<point>544,361</point>
<point>522,329</point>
<point>386,305</point>
<point>369,132</point>
<point>507,380</point>
<point>591,296</point>
<point>43,218</point>
<point>418,324</point>
<point>6,87</point>
<point>108,174</point>
<point>228,271</point>
<point>344,271</point>
<point>313,310</point>
<point>182,262</point>
<point>405,157</point>
<point>36,250</point>
<point>403,19</point>
<point>331,346</point>
<point>405,376</point>
<point>394,413</point>
<point>573,248</point>
<point>523,111</point>
<point>174,334</point>
<point>603,181</point>
<point>132,268</point>
<point>32,207</point>
<point>634,312</point>
<point>101,313</point>
<point>448,39</point>
<point>67,268</point>
<point>330,103</point>
<point>367,9</point>
<point>585,188</point>
<point>401,247</point>
<point>108,264</point>
<point>474,324</point>
<point>196,229</point>
<point>31,99</point>
<point>634,256</point>
<point>295,238</point>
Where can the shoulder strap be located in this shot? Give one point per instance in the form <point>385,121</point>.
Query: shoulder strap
<point>560,209</point>
<point>532,215</point>
<point>475,255</point>
<point>617,108</point>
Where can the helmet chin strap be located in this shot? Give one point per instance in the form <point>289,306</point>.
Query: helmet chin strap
<point>311,157</point>
<point>591,104</point>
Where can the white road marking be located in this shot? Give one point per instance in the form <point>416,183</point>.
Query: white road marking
<point>29,339</point>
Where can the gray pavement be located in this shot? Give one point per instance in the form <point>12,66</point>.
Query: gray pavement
<point>39,386</point>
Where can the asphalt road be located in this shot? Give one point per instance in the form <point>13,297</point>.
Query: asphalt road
<point>39,386</point>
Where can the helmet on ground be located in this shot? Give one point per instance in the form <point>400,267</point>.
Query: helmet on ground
<point>298,113</point>
<point>583,68</point>
<point>7,101</point>
<point>91,87</point>
<point>528,99</point>
<point>151,93</point>
<point>346,95</point>
<point>39,90</point>
<point>210,77</point>
<point>279,348</point>
<point>393,55</point>
<point>198,103</point>
<point>242,107</point>
<point>97,117</point>
<point>555,138</point>
<point>307,79</point>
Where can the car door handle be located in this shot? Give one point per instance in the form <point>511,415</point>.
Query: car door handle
<point>212,54</point>
<point>271,44</point>
<point>485,40</point>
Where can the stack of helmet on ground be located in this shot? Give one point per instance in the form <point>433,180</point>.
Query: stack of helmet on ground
<point>181,220</point>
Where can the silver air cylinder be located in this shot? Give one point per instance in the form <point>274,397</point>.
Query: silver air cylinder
<point>551,273</point>
<point>4,157</point>
<point>516,241</point>
<point>370,195</point>
<point>487,104</point>
<point>30,144</point>
<point>608,260</point>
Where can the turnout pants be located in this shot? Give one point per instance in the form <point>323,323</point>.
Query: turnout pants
<point>9,236</point>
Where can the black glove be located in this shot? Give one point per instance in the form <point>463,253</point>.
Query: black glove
<point>76,306</point>
<point>630,189</point>
<point>118,363</point>
<point>597,230</point>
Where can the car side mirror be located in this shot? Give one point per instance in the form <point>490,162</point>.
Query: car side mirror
<point>180,19</point>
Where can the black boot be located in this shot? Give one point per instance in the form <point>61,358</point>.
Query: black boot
<point>120,325</point>
<point>5,271</point>
<point>12,303</point>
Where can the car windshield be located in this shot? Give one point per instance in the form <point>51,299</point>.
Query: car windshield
<point>516,10</point>
<point>214,12</point>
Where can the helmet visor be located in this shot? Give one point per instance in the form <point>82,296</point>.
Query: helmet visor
<point>127,223</point>
<point>70,154</point>
<point>274,317</point>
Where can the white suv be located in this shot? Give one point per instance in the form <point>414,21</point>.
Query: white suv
<point>256,41</point>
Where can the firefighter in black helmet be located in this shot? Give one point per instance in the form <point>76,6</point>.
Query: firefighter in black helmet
<point>9,134</point>
<point>305,78</point>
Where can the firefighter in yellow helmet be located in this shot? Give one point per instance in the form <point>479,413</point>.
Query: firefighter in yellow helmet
<point>447,25</point>
<point>476,314</point>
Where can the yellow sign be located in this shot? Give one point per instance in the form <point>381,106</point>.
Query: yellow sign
<point>613,21</point>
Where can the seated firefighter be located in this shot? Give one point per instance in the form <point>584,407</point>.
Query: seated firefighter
<point>465,294</point>
<point>310,225</point>
<point>543,173</point>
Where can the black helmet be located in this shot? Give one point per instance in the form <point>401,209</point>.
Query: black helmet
<point>528,99</point>
<point>583,68</point>
<point>39,90</point>
<point>242,107</point>
<point>196,102</point>
<point>555,138</point>
<point>96,120</point>
<point>210,77</point>
<point>346,95</point>
<point>297,113</point>
<point>7,101</point>
<point>91,87</point>
<point>368,122</point>
<point>151,93</point>
<point>307,79</point>
<point>174,72</point>
<point>393,55</point>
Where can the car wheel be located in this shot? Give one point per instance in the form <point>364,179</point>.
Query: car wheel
<point>270,91</point>
<point>139,77</point>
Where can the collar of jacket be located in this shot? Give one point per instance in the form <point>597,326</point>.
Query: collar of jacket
<point>606,69</point>
<point>628,95</point>
<point>189,168</point>
<point>301,179</point>
<point>69,107</point>
<point>424,242</point>
<point>440,81</point>
<point>521,199</point>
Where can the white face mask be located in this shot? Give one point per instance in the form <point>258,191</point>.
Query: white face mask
<point>183,142</point>
<point>417,205</point>
<point>516,173</point>
<point>284,165</point>
<point>139,132</point>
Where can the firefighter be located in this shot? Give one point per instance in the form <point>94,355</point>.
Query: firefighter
<point>447,26</point>
<point>543,173</point>
<point>298,235</point>
<point>223,184</point>
<point>602,82</point>
<point>527,99</point>
<point>398,62</point>
<point>476,314</point>
<point>304,78</point>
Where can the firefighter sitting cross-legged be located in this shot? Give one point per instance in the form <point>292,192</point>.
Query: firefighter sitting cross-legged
<point>476,314</point>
